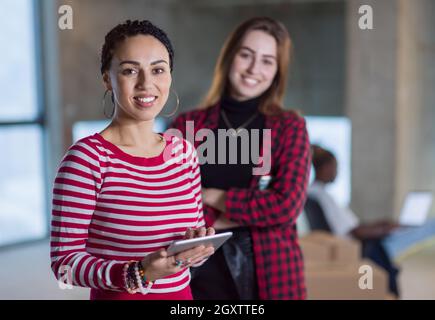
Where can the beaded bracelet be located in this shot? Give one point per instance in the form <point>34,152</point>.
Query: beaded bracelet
<point>140,279</point>
<point>128,283</point>
<point>142,273</point>
<point>134,278</point>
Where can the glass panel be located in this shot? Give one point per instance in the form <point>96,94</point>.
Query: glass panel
<point>22,203</point>
<point>17,55</point>
<point>334,134</point>
<point>83,129</point>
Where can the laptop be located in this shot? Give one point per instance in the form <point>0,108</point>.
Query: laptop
<point>415,208</point>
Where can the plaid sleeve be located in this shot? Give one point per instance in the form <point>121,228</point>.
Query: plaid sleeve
<point>196,185</point>
<point>196,181</point>
<point>210,215</point>
<point>282,202</point>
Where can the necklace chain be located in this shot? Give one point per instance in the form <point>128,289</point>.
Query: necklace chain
<point>242,126</point>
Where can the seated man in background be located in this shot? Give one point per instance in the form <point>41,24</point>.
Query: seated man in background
<point>342,221</point>
<point>381,240</point>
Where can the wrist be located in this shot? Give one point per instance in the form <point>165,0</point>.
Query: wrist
<point>145,271</point>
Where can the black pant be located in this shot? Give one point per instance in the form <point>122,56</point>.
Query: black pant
<point>229,274</point>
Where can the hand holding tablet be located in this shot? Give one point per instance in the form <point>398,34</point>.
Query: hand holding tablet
<point>195,247</point>
<point>215,241</point>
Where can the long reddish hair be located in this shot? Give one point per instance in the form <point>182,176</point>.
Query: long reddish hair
<point>271,101</point>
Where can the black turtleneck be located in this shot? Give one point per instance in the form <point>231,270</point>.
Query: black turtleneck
<point>226,176</point>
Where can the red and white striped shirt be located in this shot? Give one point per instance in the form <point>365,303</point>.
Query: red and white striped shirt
<point>110,207</point>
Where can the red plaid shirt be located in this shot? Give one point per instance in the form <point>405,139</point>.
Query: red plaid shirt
<point>271,214</point>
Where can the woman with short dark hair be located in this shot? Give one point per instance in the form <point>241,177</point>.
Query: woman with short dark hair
<point>123,195</point>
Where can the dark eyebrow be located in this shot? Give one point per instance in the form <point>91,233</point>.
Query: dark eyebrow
<point>157,62</point>
<point>137,63</point>
<point>252,51</point>
<point>129,62</point>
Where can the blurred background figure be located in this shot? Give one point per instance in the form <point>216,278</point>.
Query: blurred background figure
<point>382,241</point>
<point>339,220</point>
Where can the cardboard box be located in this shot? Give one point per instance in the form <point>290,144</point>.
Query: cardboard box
<point>314,252</point>
<point>332,281</point>
<point>332,269</point>
<point>323,247</point>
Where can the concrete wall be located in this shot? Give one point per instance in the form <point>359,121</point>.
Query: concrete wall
<point>371,106</point>
<point>390,101</point>
<point>415,118</point>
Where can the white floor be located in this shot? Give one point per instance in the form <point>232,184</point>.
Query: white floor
<point>417,277</point>
<point>25,274</point>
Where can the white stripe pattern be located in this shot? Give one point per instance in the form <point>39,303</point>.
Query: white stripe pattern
<point>103,198</point>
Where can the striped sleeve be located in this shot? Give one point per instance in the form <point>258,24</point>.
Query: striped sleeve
<point>210,214</point>
<point>75,192</point>
<point>196,187</point>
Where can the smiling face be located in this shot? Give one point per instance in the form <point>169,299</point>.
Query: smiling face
<point>139,77</point>
<point>254,66</point>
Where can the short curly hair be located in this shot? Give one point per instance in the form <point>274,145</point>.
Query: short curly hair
<point>129,29</point>
<point>321,156</point>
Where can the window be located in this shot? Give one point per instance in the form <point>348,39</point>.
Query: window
<point>22,182</point>
<point>83,129</point>
<point>334,134</point>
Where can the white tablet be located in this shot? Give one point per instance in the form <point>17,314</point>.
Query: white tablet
<point>215,240</point>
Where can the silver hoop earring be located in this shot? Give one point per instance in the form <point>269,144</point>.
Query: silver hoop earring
<point>104,105</point>
<point>176,108</point>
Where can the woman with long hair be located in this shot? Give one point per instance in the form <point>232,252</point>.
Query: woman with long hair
<point>263,259</point>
